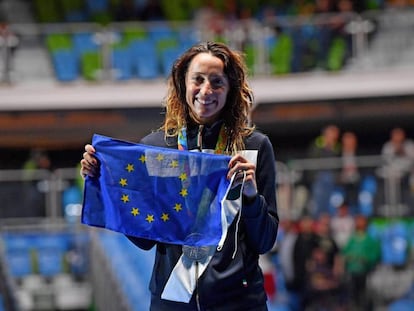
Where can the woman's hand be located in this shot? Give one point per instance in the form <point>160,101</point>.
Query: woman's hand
<point>240,166</point>
<point>89,163</point>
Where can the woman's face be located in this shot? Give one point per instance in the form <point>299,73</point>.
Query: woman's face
<point>206,88</point>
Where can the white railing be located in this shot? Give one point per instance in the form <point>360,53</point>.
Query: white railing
<point>393,195</point>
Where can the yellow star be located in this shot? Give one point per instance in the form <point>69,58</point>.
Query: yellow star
<point>123,182</point>
<point>183,176</point>
<point>178,207</point>
<point>165,217</point>
<point>129,168</point>
<point>150,218</point>
<point>125,198</point>
<point>135,211</point>
<point>160,157</point>
<point>184,192</point>
<point>174,163</point>
<point>142,158</point>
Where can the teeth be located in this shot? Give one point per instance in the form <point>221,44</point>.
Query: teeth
<point>205,102</point>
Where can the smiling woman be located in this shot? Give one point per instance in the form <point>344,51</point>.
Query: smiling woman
<point>207,88</point>
<point>207,105</point>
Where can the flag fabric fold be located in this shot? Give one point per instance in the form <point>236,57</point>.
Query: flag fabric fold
<point>156,193</point>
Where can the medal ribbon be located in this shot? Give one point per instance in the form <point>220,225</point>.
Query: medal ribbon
<point>220,145</point>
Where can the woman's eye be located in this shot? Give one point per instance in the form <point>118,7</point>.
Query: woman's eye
<point>198,80</point>
<point>216,83</point>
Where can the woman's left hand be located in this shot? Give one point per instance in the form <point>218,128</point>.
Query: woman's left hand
<point>240,166</point>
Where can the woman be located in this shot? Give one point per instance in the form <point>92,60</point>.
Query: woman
<point>207,108</point>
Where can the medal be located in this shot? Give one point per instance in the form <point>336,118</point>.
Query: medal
<point>195,253</point>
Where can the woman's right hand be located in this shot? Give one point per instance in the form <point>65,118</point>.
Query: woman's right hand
<point>89,163</point>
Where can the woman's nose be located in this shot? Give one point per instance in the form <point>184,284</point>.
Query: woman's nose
<point>206,88</point>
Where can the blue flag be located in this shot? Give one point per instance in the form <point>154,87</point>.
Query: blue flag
<point>156,193</point>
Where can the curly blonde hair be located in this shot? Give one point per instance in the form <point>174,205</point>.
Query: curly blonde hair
<point>235,113</point>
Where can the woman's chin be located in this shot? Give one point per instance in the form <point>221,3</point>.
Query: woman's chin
<point>206,118</point>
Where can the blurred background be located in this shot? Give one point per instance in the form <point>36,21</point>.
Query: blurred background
<point>334,91</point>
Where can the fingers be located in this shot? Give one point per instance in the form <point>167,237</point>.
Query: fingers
<point>245,172</point>
<point>89,148</point>
<point>89,163</point>
<point>239,164</point>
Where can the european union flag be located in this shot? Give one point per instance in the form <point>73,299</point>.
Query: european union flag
<point>156,193</point>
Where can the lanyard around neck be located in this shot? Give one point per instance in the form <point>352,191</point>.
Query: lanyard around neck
<point>220,145</point>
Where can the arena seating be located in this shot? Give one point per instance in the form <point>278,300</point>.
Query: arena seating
<point>48,268</point>
<point>290,49</point>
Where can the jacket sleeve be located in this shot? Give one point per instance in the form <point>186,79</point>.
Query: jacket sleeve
<point>260,216</point>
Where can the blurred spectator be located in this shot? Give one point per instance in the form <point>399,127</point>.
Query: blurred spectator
<point>38,159</point>
<point>361,255</point>
<point>9,42</point>
<point>126,10</point>
<point>327,244</point>
<point>210,20</point>
<point>398,156</point>
<point>288,231</point>
<point>35,169</point>
<point>349,177</point>
<point>342,225</point>
<point>323,286</point>
<point>341,43</point>
<point>323,181</point>
<point>324,270</point>
<point>306,242</point>
<point>323,32</point>
<point>324,6</point>
<point>326,145</point>
<point>399,151</point>
<point>152,11</point>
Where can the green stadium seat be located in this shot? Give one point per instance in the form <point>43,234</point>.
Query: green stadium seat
<point>91,65</point>
<point>134,33</point>
<point>163,44</point>
<point>58,41</point>
<point>250,55</point>
<point>336,56</point>
<point>281,55</point>
<point>177,10</point>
